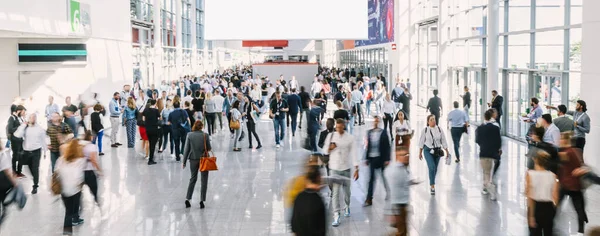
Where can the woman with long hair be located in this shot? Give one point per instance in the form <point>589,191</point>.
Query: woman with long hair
<point>97,127</point>
<point>210,107</point>
<point>402,133</point>
<point>236,116</point>
<point>166,129</point>
<point>70,169</point>
<point>252,114</point>
<point>130,114</point>
<point>196,144</point>
<point>431,143</point>
<point>90,153</point>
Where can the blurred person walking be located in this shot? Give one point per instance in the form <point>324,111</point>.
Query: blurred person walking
<point>377,155</point>
<point>398,175</point>
<point>92,169</point>
<point>70,169</point>
<point>309,212</point>
<point>571,159</point>
<point>196,145</point>
<point>341,149</point>
<point>542,197</point>
<point>432,141</point>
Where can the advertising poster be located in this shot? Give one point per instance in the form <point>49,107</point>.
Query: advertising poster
<point>381,23</point>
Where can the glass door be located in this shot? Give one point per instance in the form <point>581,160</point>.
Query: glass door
<point>548,88</point>
<point>475,85</point>
<point>518,102</point>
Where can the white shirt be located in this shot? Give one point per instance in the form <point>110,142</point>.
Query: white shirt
<point>401,129</point>
<point>544,181</point>
<point>88,149</point>
<point>255,94</point>
<point>552,135</point>
<point>343,157</point>
<point>33,138</point>
<point>388,107</point>
<point>219,100</point>
<point>316,87</point>
<point>5,160</point>
<point>71,175</point>
<point>187,99</point>
<point>141,104</point>
<point>373,138</point>
<point>438,136</point>
<point>356,96</point>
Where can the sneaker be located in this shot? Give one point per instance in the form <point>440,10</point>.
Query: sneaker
<point>484,191</point>
<point>367,203</point>
<point>101,154</point>
<point>152,163</point>
<point>347,213</point>
<point>336,220</point>
<point>432,191</point>
<point>34,191</point>
<point>77,222</point>
<point>172,155</point>
<point>278,146</point>
<point>457,160</point>
<point>258,147</point>
<point>492,196</point>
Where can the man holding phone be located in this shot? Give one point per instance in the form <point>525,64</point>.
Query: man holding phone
<point>342,156</point>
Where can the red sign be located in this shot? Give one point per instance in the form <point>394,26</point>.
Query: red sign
<point>393,47</point>
<point>265,43</point>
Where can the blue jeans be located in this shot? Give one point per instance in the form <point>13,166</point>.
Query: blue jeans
<point>279,126</point>
<point>373,169</point>
<point>53,157</point>
<point>294,119</point>
<point>368,107</point>
<point>432,164</point>
<point>350,125</point>
<point>179,135</point>
<point>73,125</point>
<point>98,136</point>
<point>456,135</point>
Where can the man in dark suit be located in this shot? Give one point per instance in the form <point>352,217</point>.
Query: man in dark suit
<point>435,106</point>
<point>496,103</point>
<point>181,90</point>
<point>378,157</point>
<point>295,106</point>
<point>466,100</point>
<point>195,86</point>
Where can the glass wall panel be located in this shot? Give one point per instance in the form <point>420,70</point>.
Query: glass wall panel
<point>519,15</point>
<point>549,13</point>
<point>574,89</point>
<point>549,49</point>
<point>576,11</point>
<point>575,50</point>
<point>518,51</point>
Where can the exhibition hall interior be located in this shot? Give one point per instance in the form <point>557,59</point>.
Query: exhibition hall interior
<point>299,117</point>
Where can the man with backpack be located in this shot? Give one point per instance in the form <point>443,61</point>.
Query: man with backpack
<point>180,126</point>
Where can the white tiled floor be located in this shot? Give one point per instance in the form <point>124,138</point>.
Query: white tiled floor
<point>245,196</point>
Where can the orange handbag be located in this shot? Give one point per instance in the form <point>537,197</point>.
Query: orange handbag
<point>208,162</point>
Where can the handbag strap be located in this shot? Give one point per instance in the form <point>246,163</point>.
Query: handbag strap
<point>433,138</point>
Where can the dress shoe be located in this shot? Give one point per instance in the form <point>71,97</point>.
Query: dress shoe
<point>258,147</point>
<point>77,222</point>
<point>20,175</point>
<point>368,202</point>
<point>187,204</point>
<point>114,145</point>
<point>152,163</point>
<point>118,144</point>
<point>34,191</point>
<point>101,154</point>
<point>202,205</point>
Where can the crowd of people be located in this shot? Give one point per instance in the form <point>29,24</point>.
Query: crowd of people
<point>183,116</point>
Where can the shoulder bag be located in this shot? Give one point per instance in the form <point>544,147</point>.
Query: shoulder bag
<point>208,162</point>
<point>55,185</point>
<point>234,123</point>
<point>436,151</point>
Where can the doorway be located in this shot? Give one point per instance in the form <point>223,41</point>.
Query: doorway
<point>518,101</point>
<point>475,84</point>
<point>548,89</point>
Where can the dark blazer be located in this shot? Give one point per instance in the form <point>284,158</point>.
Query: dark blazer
<point>497,104</point>
<point>12,126</point>
<point>384,150</point>
<point>435,105</point>
<point>489,140</point>
<point>467,99</point>
<point>294,103</point>
<point>184,91</point>
<point>194,87</point>
<point>194,146</point>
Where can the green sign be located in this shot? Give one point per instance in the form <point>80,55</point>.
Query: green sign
<point>74,15</point>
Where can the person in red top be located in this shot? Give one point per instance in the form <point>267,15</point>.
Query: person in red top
<point>571,159</point>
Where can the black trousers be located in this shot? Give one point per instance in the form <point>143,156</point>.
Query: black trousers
<point>71,211</point>
<point>16,145</point>
<point>210,119</point>
<point>544,219</point>
<point>160,137</point>
<point>167,137</point>
<point>579,143</point>
<point>437,117</point>
<point>252,131</point>
<point>152,133</point>
<point>91,181</point>
<point>229,119</point>
<point>388,120</point>
<point>34,166</point>
<point>579,204</point>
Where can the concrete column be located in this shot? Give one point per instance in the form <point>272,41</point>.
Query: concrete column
<point>444,56</point>
<point>492,46</point>
<point>157,48</point>
<point>590,72</point>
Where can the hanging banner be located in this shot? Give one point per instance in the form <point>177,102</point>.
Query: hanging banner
<point>381,23</point>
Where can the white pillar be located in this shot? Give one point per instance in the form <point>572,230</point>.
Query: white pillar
<point>590,72</point>
<point>492,46</point>
<point>444,56</point>
<point>159,73</point>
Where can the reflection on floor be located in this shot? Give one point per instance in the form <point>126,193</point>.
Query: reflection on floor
<point>245,195</point>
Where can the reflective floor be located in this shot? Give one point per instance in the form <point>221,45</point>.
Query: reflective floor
<point>245,195</point>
